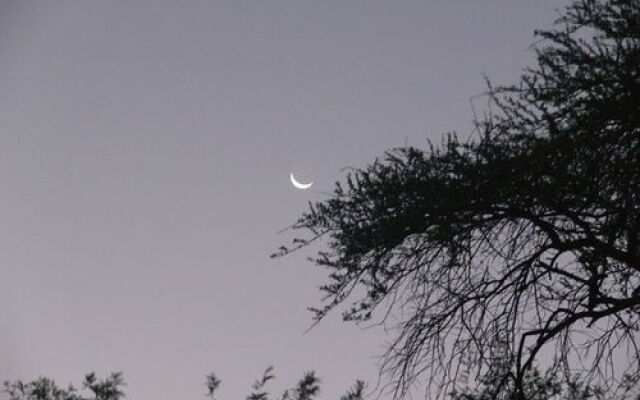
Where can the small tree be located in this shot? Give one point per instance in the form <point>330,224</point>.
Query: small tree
<point>46,389</point>
<point>307,388</point>
<point>212,383</point>
<point>258,388</point>
<point>355,393</point>
<point>531,230</point>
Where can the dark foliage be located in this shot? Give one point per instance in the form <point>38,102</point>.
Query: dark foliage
<point>536,386</point>
<point>307,388</point>
<point>212,382</point>
<point>46,389</point>
<point>529,232</point>
<point>258,389</point>
<point>355,393</point>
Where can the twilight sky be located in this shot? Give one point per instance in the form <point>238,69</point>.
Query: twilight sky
<point>145,148</point>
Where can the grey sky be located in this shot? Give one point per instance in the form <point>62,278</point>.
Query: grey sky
<point>145,148</point>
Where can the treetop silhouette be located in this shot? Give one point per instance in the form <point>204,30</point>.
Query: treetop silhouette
<point>531,228</point>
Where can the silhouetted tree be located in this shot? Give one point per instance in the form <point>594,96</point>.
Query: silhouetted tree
<point>258,388</point>
<point>307,388</point>
<point>46,389</point>
<point>212,383</point>
<point>356,392</point>
<point>527,234</point>
<point>536,386</point>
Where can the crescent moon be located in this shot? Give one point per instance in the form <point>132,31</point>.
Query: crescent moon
<point>299,185</point>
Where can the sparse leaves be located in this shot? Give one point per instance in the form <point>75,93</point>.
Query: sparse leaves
<point>307,388</point>
<point>532,228</point>
<point>355,393</point>
<point>258,390</point>
<point>212,383</point>
<point>47,389</point>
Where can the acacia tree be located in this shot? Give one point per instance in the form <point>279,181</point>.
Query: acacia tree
<point>527,234</point>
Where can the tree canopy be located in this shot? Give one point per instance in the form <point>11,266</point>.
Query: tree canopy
<point>537,387</point>
<point>44,388</point>
<point>526,234</point>
<point>110,388</point>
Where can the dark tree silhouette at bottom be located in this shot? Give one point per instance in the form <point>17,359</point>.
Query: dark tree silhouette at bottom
<point>43,388</point>
<point>110,388</point>
<point>537,386</point>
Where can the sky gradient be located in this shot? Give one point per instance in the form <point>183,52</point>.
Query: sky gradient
<point>145,149</point>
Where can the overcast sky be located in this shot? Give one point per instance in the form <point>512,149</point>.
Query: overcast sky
<point>145,148</point>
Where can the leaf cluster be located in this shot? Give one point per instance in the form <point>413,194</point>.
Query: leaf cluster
<point>44,388</point>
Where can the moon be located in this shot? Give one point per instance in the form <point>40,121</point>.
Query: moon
<point>299,185</point>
